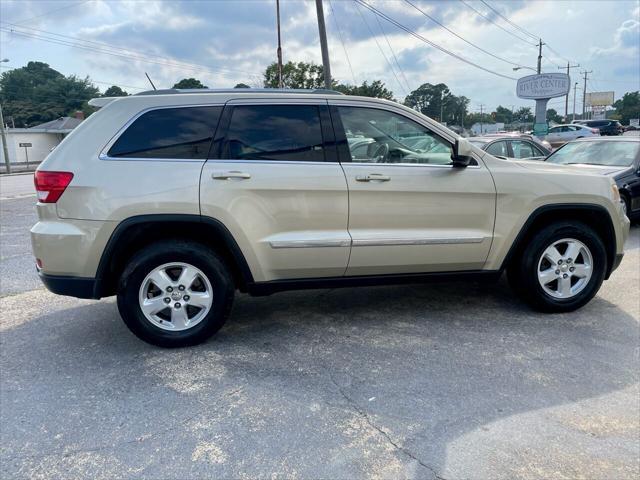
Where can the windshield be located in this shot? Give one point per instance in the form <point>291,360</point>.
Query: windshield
<point>610,154</point>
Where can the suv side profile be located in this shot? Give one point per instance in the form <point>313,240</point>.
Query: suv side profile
<point>174,200</point>
<point>606,127</point>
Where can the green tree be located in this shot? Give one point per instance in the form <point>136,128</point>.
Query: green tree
<point>37,93</point>
<point>114,91</point>
<point>375,89</point>
<point>295,75</point>
<point>523,115</point>
<point>504,115</point>
<point>436,101</point>
<point>189,83</point>
<point>552,116</point>
<point>628,107</point>
<point>241,85</point>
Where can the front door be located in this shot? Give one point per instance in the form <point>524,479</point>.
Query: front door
<point>274,181</point>
<point>410,211</point>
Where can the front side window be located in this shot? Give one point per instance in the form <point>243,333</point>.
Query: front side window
<point>170,133</point>
<point>523,149</point>
<point>380,136</point>
<point>275,132</point>
<point>498,149</point>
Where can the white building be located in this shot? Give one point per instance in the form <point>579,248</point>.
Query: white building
<point>480,129</point>
<point>41,138</point>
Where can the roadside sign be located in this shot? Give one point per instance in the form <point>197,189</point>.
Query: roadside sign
<point>543,85</point>
<point>26,144</point>
<point>599,99</point>
<point>540,129</point>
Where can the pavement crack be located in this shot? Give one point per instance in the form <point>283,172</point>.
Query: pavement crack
<point>367,418</point>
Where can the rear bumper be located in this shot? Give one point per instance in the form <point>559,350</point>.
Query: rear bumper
<point>78,287</point>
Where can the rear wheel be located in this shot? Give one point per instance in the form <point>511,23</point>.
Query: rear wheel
<point>561,269</point>
<point>175,294</point>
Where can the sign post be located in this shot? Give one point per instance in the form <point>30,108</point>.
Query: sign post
<point>26,145</point>
<point>541,88</point>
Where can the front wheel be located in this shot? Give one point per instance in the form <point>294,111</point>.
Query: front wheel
<point>175,294</point>
<point>561,269</point>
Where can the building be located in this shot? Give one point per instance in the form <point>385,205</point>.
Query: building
<point>36,141</point>
<point>479,129</point>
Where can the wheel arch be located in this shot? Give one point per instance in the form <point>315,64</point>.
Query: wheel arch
<point>137,232</point>
<point>593,215</point>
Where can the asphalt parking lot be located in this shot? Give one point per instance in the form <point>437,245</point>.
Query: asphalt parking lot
<point>449,381</point>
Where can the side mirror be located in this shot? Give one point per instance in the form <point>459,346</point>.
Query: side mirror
<point>461,156</point>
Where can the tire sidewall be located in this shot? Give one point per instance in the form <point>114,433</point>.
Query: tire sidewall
<point>529,271</point>
<point>142,264</point>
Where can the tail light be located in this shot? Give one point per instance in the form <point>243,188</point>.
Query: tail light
<point>51,185</point>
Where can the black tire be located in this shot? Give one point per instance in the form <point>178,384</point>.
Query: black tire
<point>523,271</point>
<point>159,254</point>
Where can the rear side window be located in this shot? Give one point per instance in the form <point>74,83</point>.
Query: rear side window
<point>275,132</point>
<point>176,133</point>
<point>499,149</point>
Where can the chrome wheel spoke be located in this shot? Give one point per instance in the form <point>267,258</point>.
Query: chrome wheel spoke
<point>152,306</point>
<point>552,255</point>
<point>564,286</point>
<point>187,277</point>
<point>179,318</point>
<point>573,250</point>
<point>160,279</point>
<point>582,271</point>
<point>199,299</point>
<point>547,276</point>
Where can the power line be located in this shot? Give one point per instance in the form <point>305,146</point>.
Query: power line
<point>395,58</point>
<point>102,47</point>
<point>517,27</point>
<point>497,24</point>
<point>335,20</point>
<point>429,42</point>
<point>77,4</point>
<point>375,38</point>
<point>462,38</point>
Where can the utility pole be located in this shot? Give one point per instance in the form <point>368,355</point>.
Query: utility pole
<point>326,68</point>
<point>540,56</point>
<point>5,148</point>
<point>441,104</point>
<point>280,85</point>
<point>575,87</point>
<point>566,97</point>
<point>481,124</point>
<point>584,93</point>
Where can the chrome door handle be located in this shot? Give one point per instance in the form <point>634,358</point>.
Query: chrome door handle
<point>229,175</point>
<point>373,177</point>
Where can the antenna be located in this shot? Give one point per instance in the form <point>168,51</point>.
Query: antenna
<point>148,78</point>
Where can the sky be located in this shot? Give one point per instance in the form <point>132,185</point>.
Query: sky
<point>226,42</point>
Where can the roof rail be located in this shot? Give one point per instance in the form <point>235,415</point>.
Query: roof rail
<point>173,91</point>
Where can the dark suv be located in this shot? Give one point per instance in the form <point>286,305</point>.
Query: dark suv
<point>606,127</point>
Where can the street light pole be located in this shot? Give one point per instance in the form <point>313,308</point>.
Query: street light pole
<point>326,68</point>
<point>575,87</point>
<point>566,97</point>
<point>584,93</point>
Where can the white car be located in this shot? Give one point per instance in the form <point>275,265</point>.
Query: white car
<point>561,134</point>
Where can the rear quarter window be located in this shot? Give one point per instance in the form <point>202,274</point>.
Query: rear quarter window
<point>169,133</point>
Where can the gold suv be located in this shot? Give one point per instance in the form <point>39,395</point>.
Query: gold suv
<point>172,200</point>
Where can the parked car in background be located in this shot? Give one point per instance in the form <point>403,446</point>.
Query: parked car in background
<point>561,134</point>
<point>521,147</point>
<point>606,127</point>
<point>615,157</point>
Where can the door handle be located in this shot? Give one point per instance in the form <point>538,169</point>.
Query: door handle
<point>373,177</point>
<point>229,175</point>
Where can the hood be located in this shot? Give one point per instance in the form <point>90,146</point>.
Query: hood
<point>577,168</point>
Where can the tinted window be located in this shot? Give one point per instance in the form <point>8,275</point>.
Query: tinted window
<point>184,133</point>
<point>498,149</point>
<point>380,136</point>
<point>275,132</point>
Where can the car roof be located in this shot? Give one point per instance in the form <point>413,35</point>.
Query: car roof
<point>609,139</point>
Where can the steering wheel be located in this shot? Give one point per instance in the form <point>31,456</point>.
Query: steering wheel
<point>380,154</point>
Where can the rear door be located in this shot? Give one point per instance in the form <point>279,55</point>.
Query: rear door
<point>274,181</point>
<point>410,211</point>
